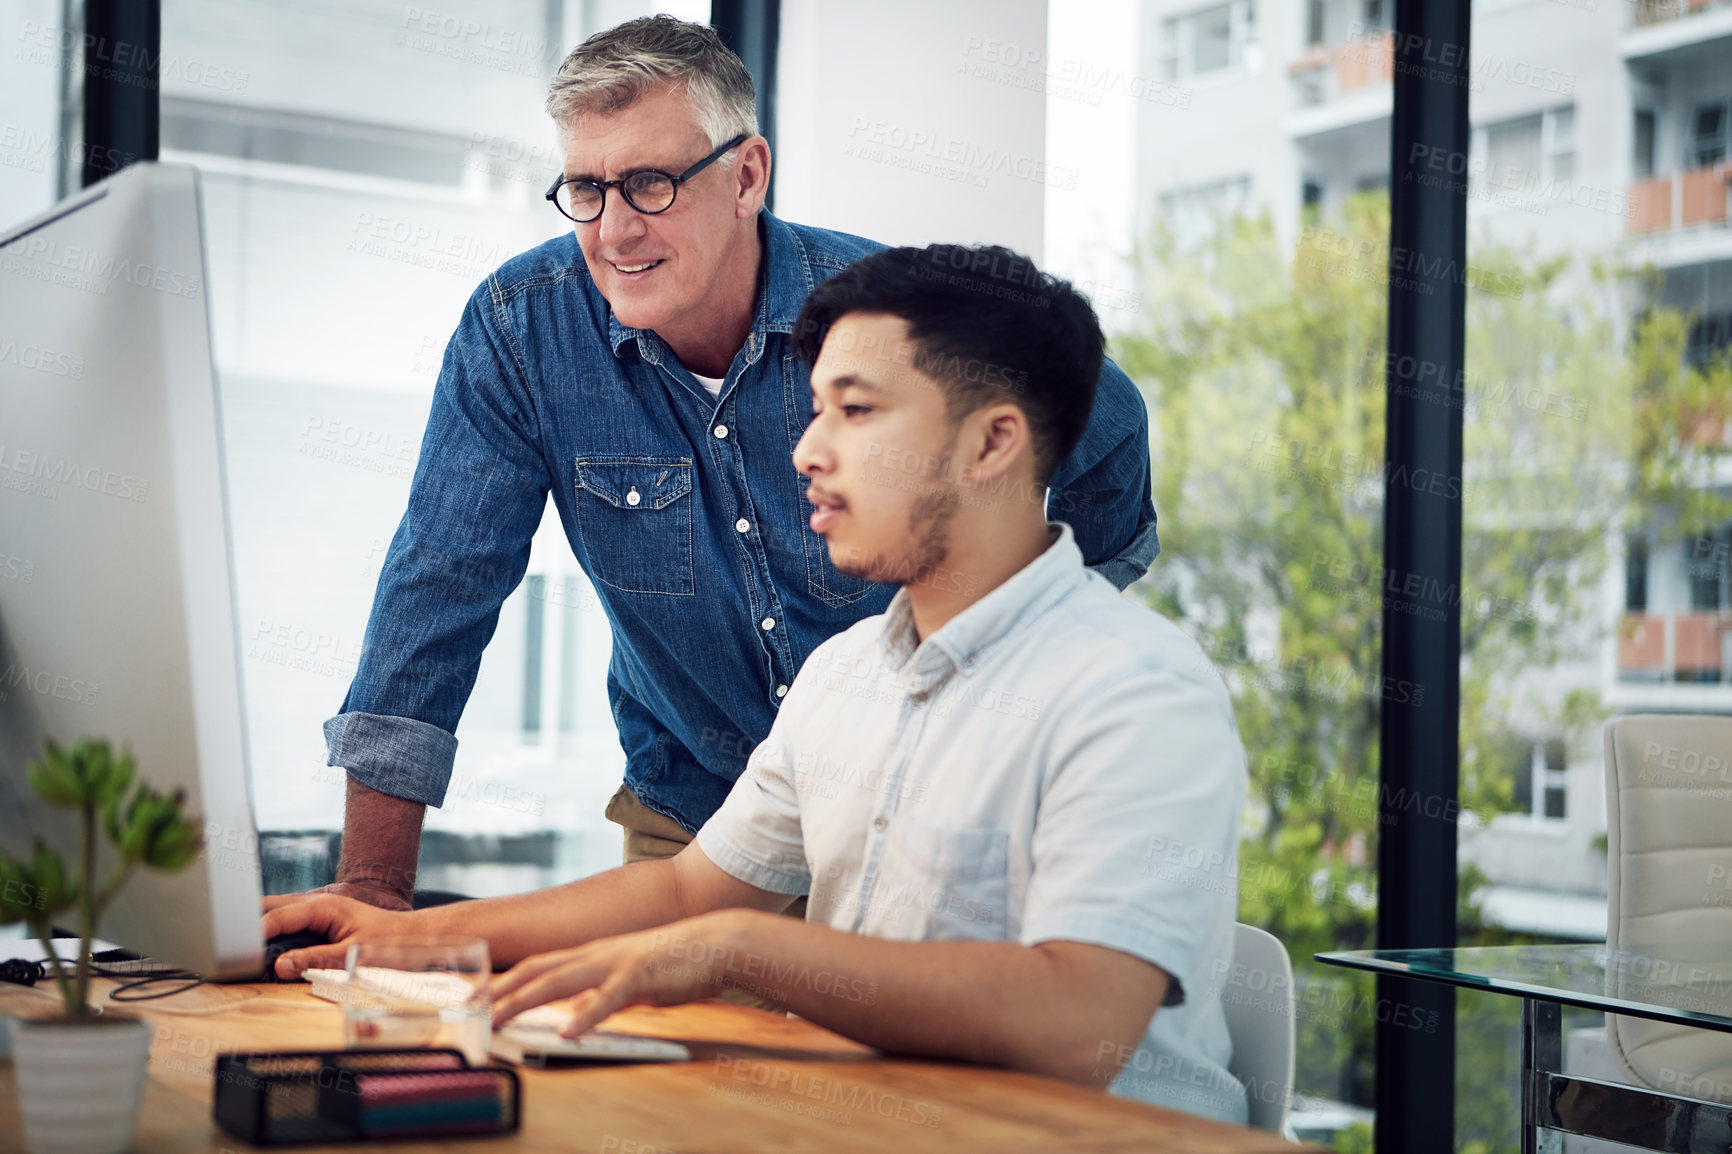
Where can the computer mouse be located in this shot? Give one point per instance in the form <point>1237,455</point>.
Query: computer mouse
<point>282,944</point>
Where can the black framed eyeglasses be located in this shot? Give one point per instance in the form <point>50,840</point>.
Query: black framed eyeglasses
<point>649,190</point>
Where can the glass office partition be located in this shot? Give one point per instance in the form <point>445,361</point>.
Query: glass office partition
<point>365,166</point>
<point>1230,219</point>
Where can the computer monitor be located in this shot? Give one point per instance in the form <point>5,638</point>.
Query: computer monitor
<point>117,606</point>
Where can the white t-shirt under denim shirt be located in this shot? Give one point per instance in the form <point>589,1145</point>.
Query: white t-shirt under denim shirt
<point>1055,763</point>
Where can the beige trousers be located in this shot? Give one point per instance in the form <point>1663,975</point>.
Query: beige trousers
<point>649,834</point>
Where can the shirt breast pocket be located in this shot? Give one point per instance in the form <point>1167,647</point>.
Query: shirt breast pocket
<point>954,881</point>
<point>634,517</point>
<point>826,582</point>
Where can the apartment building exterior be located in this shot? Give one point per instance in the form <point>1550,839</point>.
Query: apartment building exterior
<point>1600,128</point>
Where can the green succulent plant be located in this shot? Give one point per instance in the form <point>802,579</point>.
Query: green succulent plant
<point>146,827</point>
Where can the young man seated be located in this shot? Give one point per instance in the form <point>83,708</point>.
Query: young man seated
<point>982,789</point>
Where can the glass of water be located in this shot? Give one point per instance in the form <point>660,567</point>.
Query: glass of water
<point>419,991</point>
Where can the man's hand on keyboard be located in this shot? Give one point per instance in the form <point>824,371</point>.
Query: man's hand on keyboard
<point>683,961</point>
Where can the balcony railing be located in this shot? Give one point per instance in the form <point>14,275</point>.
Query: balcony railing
<point>1327,72</point>
<point>1689,199</point>
<point>1692,647</point>
<point>1660,11</point>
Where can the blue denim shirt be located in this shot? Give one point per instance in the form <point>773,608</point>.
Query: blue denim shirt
<point>685,511</point>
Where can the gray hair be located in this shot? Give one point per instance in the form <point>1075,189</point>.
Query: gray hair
<point>611,70</point>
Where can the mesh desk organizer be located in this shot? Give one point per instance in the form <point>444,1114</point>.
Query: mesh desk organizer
<point>303,1096</point>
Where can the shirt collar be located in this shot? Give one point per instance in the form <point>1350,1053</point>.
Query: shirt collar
<point>1029,592</point>
<point>786,281</point>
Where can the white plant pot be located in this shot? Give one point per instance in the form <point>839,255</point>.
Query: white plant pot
<point>79,1086</point>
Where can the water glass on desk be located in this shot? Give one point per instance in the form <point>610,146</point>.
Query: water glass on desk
<point>419,991</point>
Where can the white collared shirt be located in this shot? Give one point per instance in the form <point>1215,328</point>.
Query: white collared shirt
<point>1055,763</point>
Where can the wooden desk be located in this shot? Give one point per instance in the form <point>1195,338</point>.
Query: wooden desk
<point>758,1082</point>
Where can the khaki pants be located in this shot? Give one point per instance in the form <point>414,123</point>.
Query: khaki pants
<point>648,834</point>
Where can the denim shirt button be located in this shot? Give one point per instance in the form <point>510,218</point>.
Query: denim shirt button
<point>721,430</point>
<point>768,623</point>
<point>743,525</point>
<point>781,691</point>
<point>633,497</point>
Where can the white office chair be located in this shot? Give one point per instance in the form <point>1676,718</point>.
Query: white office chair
<point>1258,1000</point>
<point>1668,858</point>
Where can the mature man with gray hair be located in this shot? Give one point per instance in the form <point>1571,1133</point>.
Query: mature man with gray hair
<point>642,369</point>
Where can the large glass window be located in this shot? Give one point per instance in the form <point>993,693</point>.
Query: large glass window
<point>1597,388</point>
<point>1245,287</point>
<point>365,165</point>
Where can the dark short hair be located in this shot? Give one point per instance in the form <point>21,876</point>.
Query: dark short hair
<point>987,324</point>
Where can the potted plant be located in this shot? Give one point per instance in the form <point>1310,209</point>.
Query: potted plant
<point>81,1073</point>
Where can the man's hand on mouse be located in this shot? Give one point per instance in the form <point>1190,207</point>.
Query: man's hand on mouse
<point>338,918</point>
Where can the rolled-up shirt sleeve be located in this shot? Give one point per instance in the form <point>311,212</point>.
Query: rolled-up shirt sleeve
<point>478,494</point>
<point>756,835</point>
<point>1135,843</point>
<point>1103,490</point>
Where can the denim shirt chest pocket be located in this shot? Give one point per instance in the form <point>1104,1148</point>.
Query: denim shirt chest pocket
<point>823,580</point>
<point>634,516</point>
<point>948,881</point>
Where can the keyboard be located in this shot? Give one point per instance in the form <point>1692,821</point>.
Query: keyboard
<point>538,1045</point>
<point>530,1039</point>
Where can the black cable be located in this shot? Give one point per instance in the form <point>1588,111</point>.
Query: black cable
<point>130,980</point>
<point>124,991</point>
<point>22,972</point>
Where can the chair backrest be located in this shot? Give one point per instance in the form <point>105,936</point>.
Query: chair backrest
<point>1669,883</point>
<point>1258,1000</point>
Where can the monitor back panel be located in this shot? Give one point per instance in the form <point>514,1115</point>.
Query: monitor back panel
<point>116,596</point>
